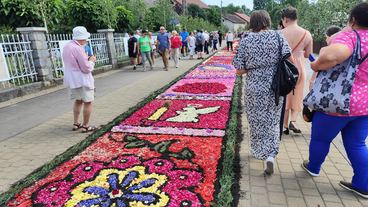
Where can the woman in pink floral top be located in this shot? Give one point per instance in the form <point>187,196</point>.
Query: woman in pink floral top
<point>354,127</point>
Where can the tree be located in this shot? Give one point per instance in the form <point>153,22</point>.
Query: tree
<point>246,10</point>
<point>124,19</point>
<point>213,15</point>
<point>196,23</point>
<point>319,16</point>
<point>259,4</point>
<point>232,9</point>
<point>24,13</point>
<point>139,10</point>
<point>93,14</point>
<point>195,11</point>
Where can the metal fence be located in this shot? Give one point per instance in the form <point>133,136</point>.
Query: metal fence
<point>53,42</point>
<point>16,61</point>
<point>99,47</point>
<point>120,46</point>
<point>19,67</point>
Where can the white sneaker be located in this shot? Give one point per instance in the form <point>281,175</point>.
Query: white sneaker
<point>269,165</point>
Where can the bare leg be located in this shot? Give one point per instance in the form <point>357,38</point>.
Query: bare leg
<point>294,115</point>
<point>87,110</point>
<point>76,110</point>
<point>286,118</point>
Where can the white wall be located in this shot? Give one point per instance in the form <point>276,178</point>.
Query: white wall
<point>233,27</point>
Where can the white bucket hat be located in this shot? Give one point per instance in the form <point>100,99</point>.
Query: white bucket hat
<point>80,33</point>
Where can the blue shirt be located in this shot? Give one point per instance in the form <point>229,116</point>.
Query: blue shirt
<point>88,50</point>
<point>184,35</point>
<point>164,41</point>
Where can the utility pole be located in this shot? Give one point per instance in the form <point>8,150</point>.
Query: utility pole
<point>221,8</point>
<point>184,3</point>
<point>221,12</point>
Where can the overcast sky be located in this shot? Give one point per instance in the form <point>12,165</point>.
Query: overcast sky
<point>248,3</point>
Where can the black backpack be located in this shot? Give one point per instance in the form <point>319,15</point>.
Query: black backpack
<point>286,76</point>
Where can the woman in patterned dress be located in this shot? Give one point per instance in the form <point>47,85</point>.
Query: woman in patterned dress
<point>257,57</point>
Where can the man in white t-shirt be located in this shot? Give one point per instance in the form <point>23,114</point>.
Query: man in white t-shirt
<point>229,40</point>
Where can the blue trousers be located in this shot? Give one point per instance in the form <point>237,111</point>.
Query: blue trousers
<point>354,132</point>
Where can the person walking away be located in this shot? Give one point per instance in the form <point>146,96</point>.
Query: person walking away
<point>258,56</point>
<point>176,44</point>
<point>206,42</point>
<point>191,45</point>
<point>199,44</point>
<point>144,45</point>
<point>163,43</point>
<point>220,38</point>
<point>210,43</point>
<point>133,50</point>
<point>215,41</point>
<point>137,35</point>
<point>153,47</point>
<point>184,37</point>
<point>301,43</point>
<point>78,77</point>
<point>354,126</point>
<point>229,40</point>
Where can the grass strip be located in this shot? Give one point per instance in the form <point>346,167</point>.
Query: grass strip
<point>228,187</point>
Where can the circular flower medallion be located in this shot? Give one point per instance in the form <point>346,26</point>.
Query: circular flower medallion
<point>121,188</point>
<point>125,181</point>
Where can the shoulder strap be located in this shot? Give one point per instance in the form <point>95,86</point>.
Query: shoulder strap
<point>365,57</point>
<point>280,44</point>
<point>301,40</point>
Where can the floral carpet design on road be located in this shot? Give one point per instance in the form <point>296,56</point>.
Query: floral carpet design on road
<point>166,153</point>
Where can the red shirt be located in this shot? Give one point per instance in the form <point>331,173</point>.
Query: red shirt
<point>175,42</point>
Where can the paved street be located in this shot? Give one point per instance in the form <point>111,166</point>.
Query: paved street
<point>291,185</point>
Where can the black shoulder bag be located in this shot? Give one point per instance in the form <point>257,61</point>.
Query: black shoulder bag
<point>286,75</point>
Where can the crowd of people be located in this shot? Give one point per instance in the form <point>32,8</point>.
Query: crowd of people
<point>259,55</point>
<point>142,46</point>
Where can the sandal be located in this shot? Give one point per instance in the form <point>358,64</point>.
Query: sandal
<point>86,129</point>
<point>77,126</point>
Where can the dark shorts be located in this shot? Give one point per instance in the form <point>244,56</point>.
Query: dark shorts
<point>133,55</point>
<point>199,48</point>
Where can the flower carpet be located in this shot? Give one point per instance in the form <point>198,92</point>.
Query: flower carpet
<point>176,149</point>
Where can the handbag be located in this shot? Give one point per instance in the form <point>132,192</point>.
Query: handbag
<point>286,76</point>
<point>331,91</point>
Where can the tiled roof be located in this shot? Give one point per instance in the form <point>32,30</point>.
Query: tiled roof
<point>243,16</point>
<point>234,19</point>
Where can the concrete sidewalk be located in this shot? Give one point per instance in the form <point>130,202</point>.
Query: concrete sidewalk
<point>39,127</point>
<point>291,185</point>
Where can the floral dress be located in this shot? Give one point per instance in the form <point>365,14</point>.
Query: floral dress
<point>258,54</point>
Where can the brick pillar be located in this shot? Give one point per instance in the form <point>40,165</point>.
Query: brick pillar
<point>40,53</point>
<point>109,33</point>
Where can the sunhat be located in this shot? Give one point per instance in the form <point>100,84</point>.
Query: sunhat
<point>80,33</point>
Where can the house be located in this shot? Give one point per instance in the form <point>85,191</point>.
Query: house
<point>236,22</point>
<point>243,16</point>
